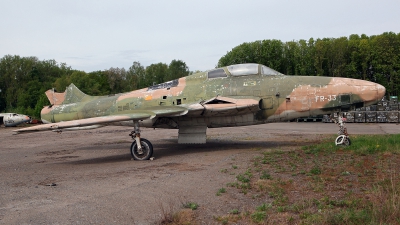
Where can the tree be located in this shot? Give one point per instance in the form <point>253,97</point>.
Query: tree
<point>240,54</point>
<point>305,65</point>
<point>136,76</point>
<point>177,69</point>
<point>322,47</point>
<point>156,74</point>
<point>337,55</point>
<point>61,83</point>
<point>385,60</point>
<point>116,78</point>
<point>291,58</point>
<point>101,79</point>
<point>24,80</point>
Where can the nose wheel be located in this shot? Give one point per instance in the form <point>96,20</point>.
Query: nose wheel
<point>141,149</point>
<point>343,140</point>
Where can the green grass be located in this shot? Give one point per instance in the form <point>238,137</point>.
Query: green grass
<point>316,170</point>
<point>357,184</point>
<point>220,191</point>
<point>319,184</point>
<point>258,217</point>
<point>265,175</point>
<point>234,211</point>
<point>263,207</point>
<point>360,145</point>
<point>190,205</point>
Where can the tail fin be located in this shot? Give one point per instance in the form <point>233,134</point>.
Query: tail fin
<point>71,95</point>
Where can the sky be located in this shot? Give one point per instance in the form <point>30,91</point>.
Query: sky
<point>94,35</point>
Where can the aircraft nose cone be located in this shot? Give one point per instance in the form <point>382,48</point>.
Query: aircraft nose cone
<point>381,91</point>
<point>367,91</point>
<point>371,92</point>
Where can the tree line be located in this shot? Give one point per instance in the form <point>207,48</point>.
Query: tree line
<point>23,80</point>
<point>375,58</point>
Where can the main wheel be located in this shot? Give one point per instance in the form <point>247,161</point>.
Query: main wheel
<point>147,150</point>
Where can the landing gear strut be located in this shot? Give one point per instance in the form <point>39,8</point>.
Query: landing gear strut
<point>343,138</point>
<point>141,149</point>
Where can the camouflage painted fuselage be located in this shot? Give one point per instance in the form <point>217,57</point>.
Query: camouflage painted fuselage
<point>279,98</point>
<point>238,95</point>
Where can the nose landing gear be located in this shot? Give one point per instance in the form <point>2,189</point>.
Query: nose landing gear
<point>343,138</point>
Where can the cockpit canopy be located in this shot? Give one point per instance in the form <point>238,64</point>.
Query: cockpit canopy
<point>243,70</point>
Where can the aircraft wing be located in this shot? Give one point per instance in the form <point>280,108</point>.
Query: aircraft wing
<point>218,106</point>
<point>149,113</point>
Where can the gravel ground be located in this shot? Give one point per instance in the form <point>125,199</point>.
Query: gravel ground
<point>88,177</point>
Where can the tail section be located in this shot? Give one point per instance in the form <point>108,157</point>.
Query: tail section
<point>71,95</point>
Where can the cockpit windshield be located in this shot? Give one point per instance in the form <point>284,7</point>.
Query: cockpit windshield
<point>243,69</point>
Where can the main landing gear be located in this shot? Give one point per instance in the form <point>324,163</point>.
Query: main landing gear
<point>141,149</point>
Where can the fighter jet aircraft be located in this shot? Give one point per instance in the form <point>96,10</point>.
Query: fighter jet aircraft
<point>13,119</point>
<point>236,95</point>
